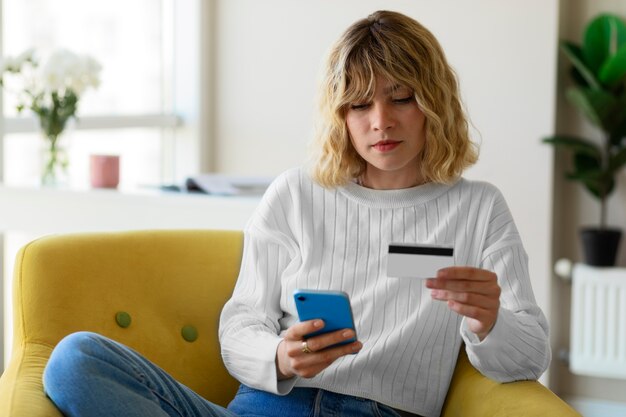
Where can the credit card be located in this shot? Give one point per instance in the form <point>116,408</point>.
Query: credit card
<point>408,260</point>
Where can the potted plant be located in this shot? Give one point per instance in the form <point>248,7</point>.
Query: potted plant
<point>599,92</point>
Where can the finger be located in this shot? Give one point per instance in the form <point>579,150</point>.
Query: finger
<point>325,340</point>
<point>480,314</point>
<point>299,330</point>
<point>318,343</point>
<point>309,365</point>
<point>467,273</point>
<point>480,323</point>
<point>479,287</point>
<point>471,299</point>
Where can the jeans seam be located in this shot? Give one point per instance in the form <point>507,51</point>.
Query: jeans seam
<point>165,400</point>
<point>317,404</point>
<point>375,409</point>
<point>141,377</point>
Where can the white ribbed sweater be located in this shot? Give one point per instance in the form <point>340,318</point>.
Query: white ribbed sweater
<point>308,237</point>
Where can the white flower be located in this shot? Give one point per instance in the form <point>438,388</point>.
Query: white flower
<point>14,64</point>
<point>87,74</point>
<point>65,70</point>
<point>50,87</point>
<point>61,71</point>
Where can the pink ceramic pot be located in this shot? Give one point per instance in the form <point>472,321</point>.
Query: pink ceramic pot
<point>105,171</point>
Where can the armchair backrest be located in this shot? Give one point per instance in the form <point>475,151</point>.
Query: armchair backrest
<point>163,281</point>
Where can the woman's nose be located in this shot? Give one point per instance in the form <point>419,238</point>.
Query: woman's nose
<point>382,117</point>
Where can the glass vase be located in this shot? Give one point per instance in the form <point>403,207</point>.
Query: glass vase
<point>55,164</point>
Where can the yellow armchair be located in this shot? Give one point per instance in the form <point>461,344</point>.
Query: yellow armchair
<point>161,292</point>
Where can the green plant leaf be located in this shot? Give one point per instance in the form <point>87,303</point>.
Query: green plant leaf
<point>597,191</point>
<point>603,37</point>
<point>576,144</point>
<point>591,184</point>
<point>616,122</point>
<point>618,134</point>
<point>587,165</point>
<point>617,161</point>
<point>575,55</point>
<point>598,182</point>
<point>597,105</point>
<point>613,70</point>
<point>588,170</point>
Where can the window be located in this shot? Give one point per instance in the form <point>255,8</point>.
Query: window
<point>145,107</point>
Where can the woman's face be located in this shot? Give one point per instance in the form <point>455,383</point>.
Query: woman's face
<point>388,133</point>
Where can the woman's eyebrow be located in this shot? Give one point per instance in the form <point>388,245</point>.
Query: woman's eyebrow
<point>395,87</point>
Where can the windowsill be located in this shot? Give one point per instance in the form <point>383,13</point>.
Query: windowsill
<point>61,210</point>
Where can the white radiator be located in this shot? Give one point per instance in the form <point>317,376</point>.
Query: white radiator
<point>598,325</point>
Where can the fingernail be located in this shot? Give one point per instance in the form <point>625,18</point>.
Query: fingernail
<point>318,323</point>
<point>356,347</point>
<point>442,273</point>
<point>347,334</point>
<point>429,282</point>
<point>435,293</point>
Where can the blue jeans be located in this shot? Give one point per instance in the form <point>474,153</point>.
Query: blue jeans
<point>305,402</point>
<point>90,375</point>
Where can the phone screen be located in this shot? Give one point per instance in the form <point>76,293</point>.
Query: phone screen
<point>331,306</point>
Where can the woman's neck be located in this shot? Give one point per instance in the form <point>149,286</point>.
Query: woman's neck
<point>390,181</point>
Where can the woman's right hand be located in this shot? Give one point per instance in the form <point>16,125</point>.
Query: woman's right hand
<point>291,359</point>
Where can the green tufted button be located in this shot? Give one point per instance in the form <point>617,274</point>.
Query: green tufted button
<point>189,333</point>
<point>123,319</point>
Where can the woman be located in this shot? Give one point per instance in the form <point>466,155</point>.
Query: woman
<point>391,148</point>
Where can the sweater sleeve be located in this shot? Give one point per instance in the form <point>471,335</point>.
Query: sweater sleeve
<point>249,324</point>
<point>517,348</point>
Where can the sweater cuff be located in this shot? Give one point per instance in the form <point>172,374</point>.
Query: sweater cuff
<point>481,353</point>
<point>272,384</point>
<point>285,386</point>
<point>498,332</point>
<point>261,373</point>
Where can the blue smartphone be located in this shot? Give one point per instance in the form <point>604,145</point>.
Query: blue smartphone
<point>331,306</point>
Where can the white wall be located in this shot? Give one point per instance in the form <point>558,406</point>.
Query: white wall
<point>268,57</point>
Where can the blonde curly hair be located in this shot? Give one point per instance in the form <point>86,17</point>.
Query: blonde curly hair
<point>399,49</point>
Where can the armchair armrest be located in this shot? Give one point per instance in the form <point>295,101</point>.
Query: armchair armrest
<point>21,387</point>
<point>471,394</point>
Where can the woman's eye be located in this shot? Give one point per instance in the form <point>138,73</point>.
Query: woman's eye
<point>404,100</point>
<point>361,106</point>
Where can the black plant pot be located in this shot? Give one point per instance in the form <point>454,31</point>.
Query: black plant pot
<point>600,246</point>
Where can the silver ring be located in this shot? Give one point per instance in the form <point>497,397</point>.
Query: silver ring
<point>305,347</point>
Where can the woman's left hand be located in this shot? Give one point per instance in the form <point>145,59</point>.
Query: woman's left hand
<point>471,292</point>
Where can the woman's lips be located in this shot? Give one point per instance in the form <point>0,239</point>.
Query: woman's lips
<point>386,145</point>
